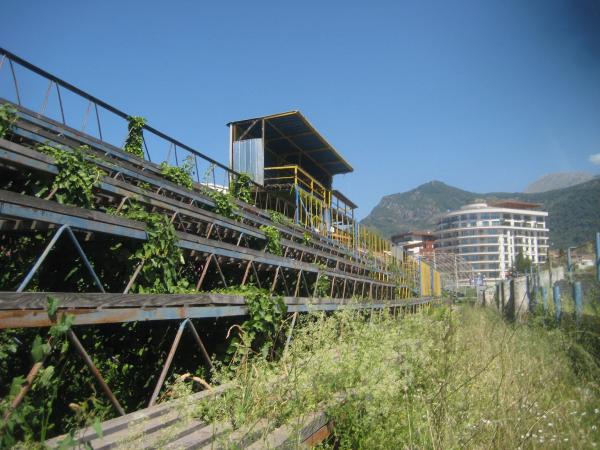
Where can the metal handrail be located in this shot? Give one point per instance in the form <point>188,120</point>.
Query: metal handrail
<point>58,81</point>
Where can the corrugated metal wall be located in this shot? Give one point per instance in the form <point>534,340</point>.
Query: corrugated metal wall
<point>249,157</point>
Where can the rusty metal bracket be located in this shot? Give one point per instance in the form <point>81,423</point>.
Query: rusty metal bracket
<point>171,355</point>
<point>47,250</point>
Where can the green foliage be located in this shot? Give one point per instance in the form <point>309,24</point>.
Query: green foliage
<point>17,255</point>
<point>179,175</point>
<point>8,117</point>
<point>224,203</point>
<point>30,420</point>
<point>322,286</point>
<point>522,263</point>
<point>76,176</point>
<point>262,329</point>
<point>241,188</point>
<point>444,378</point>
<point>134,143</point>
<point>280,219</point>
<point>273,239</point>
<point>306,238</point>
<point>162,259</point>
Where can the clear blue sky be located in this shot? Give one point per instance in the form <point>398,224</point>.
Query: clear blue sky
<point>483,95</point>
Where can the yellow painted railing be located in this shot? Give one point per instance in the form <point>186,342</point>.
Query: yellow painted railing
<point>315,212</point>
<point>295,175</point>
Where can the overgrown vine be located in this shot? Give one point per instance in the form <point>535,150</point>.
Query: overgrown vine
<point>261,331</point>
<point>134,143</point>
<point>179,175</point>
<point>306,238</point>
<point>8,117</point>
<point>76,176</point>
<point>224,204</point>
<point>241,188</point>
<point>273,239</point>
<point>161,258</point>
<point>280,219</point>
<point>31,418</point>
<point>322,285</point>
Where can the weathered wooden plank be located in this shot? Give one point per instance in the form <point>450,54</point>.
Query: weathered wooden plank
<point>199,438</point>
<point>289,436</point>
<point>9,197</point>
<point>39,300</point>
<point>119,423</point>
<point>73,300</point>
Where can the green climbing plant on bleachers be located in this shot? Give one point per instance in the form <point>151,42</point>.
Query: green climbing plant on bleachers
<point>8,117</point>
<point>162,260</point>
<point>273,239</point>
<point>31,418</point>
<point>134,143</point>
<point>240,188</point>
<point>261,331</point>
<point>181,175</point>
<point>322,286</point>
<point>73,185</point>
<point>224,203</point>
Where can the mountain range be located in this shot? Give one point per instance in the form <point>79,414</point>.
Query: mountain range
<point>557,180</point>
<point>573,212</point>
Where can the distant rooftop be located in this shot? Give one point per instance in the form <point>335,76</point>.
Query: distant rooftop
<point>416,233</point>
<point>511,204</point>
<point>514,204</point>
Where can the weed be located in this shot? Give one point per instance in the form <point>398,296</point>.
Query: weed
<point>443,378</point>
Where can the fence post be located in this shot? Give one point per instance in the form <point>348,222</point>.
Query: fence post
<point>598,256</point>
<point>420,278</point>
<point>556,295</point>
<point>545,298</point>
<point>498,295</point>
<point>511,305</point>
<point>570,264</point>
<point>529,285</point>
<point>578,297</point>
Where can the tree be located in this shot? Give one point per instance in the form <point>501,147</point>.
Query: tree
<point>522,263</point>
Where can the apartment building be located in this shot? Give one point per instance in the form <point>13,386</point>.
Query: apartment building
<point>490,235</point>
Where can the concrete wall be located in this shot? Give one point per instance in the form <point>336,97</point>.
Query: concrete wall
<point>515,297</point>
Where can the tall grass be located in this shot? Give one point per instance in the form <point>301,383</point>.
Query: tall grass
<point>449,377</point>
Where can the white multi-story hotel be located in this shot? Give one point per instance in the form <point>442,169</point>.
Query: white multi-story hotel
<point>490,235</point>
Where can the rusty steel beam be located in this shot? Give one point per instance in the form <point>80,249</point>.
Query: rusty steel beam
<point>167,365</point>
<point>31,318</point>
<point>95,372</point>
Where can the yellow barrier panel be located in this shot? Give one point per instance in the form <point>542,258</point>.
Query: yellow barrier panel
<point>437,284</point>
<point>425,280</point>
